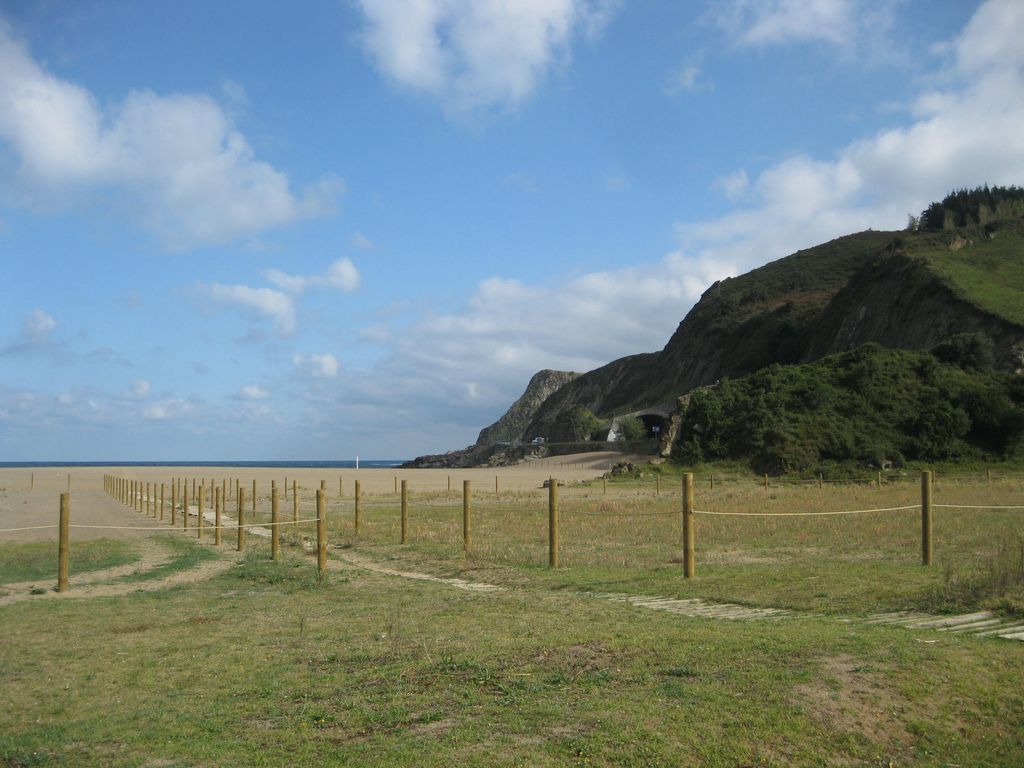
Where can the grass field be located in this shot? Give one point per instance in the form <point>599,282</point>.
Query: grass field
<point>266,664</point>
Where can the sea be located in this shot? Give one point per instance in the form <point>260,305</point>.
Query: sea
<point>342,464</point>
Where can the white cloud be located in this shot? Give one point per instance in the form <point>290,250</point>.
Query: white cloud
<point>966,135</point>
<point>733,185</point>
<point>165,410</point>
<point>687,79</point>
<point>318,366</point>
<point>192,176</point>
<point>510,329</point>
<point>139,390</point>
<point>341,275</point>
<point>476,53</point>
<point>362,242</point>
<point>262,302</point>
<point>775,22</point>
<point>37,327</point>
<point>253,392</point>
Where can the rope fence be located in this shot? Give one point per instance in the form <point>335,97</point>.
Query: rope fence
<point>190,501</point>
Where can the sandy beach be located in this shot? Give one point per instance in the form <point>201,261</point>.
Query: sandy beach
<point>31,497</point>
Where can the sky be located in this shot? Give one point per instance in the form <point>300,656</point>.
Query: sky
<point>254,230</point>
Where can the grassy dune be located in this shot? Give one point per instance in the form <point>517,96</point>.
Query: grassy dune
<point>267,665</point>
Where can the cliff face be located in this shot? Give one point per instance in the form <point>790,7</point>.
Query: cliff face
<point>903,290</point>
<point>512,426</point>
<point>883,287</point>
<point>739,325</point>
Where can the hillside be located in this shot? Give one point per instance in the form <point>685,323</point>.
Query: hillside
<point>953,284</point>
<point>872,406</point>
<point>905,290</point>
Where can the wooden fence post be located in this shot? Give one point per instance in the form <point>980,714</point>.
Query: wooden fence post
<point>495,485</point>
<point>200,522</point>
<point>688,548</point>
<point>63,547</point>
<point>466,515</point>
<point>161,501</point>
<point>341,487</point>
<point>295,500</point>
<point>405,511</point>
<point>766,481</point>
<point>321,533</point>
<point>926,517</point>
<point>218,506</point>
<point>604,485</point>
<point>240,495</point>
<point>552,523</point>
<point>357,515</point>
<point>657,485</point>
<point>286,487</point>
<point>275,526</point>
<point>174,500</point>
<point>254,500</point>
<point>184,506</point>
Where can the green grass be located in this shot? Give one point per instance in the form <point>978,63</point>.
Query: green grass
<point>38,559</point>
<point>630,540</point>
<point>266,664</point>
<point>381,671</point>
<point>187,555</point>
<point>988,271</point>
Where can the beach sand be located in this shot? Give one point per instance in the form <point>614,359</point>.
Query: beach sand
<point>31,497</point>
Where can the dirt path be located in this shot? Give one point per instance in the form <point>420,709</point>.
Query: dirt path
<point>982,623</point>
<point>104,583</point>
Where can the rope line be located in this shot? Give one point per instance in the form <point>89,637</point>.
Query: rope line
<point>966,506</point>
<point>28,528</point>
<point>803,514</point>
<point>625,514</point>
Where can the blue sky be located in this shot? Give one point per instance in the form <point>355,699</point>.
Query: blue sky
<point>254,230</point>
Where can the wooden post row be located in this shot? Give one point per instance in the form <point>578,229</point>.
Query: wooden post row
<point>552,523</point>
<point>64,544</point>
<point>405,511</point>
<point>275,527</point>
<point>240,495</point>
<point>466,515</point>
<point>689,566</point>
<point>357,514</point>
<point>321,532</point>
<point>926,517</point>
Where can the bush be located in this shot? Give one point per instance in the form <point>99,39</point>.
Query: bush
<point>578,424</point>
<point>630,429</point>
<point>868,406</point>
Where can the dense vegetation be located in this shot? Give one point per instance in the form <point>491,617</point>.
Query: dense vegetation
<point>967,207</point>
<point>869,406</point>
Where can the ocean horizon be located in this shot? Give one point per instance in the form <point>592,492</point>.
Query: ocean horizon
<point>341,464</point>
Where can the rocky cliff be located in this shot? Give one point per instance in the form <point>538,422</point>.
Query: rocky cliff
<point>902,290</point>
<point>511,427</point>
<point>898,289</point>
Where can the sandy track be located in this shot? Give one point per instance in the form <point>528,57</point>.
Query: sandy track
<point>21,507</point>
<point>78,590</point>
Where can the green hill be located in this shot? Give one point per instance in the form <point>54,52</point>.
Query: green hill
<point>870,406</point>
